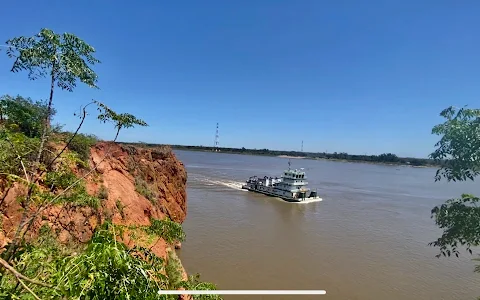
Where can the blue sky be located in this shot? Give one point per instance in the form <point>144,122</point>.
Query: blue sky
<point>346,76</point>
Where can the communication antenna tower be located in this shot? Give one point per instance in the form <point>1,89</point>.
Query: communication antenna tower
<point>215,145</point>
<point>302,147</point>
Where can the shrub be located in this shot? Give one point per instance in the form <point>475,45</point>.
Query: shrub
<point>173,270</point>
<point>142,187</point>
<point>27,115</point>
<point>60,179</point>
<point>81,144</point>
<point>194,283</point>
<point>14,145</point>
<point>82,198</point>
<point>102,193</point>
<point>106,269</point>
<point>161,152</point>
<point>169,230</point>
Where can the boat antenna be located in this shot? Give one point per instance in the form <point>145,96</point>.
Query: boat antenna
<point>289,164</point>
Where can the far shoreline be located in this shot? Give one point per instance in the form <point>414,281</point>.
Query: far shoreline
<point>382,160</point>
<point>310,158</point>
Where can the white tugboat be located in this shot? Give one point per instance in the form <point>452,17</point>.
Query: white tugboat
<point>291,186</point>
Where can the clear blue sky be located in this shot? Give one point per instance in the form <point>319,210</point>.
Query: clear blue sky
<point>353,76</point>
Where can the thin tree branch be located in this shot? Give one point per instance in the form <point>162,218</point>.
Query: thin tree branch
<point>18,275</point>
<point>84,115</point>
<point>28,289</point>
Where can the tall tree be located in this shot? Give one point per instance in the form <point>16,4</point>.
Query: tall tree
<point>64,58</point>
<point>459,152</point>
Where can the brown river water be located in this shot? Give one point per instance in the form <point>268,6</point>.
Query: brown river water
<point>367,239</point>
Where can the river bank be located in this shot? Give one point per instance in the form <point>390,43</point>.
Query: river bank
<point>398,164</point>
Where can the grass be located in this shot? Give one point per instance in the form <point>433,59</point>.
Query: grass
<point>102,192</point>
<point>81,144</point>
<point>144,189</point>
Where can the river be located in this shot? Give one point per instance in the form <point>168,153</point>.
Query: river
<point>366,240</point>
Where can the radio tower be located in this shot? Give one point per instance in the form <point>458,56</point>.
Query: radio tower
<point>302,147</point>
<point>215,145</point>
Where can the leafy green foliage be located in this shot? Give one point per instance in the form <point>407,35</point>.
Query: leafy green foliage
<point>123,120</point>
<point>459,147</point>
<point>173,270</point>
<point>72,159</point>
<point>82,198</point>
<point>195,284</point>
<point>460,221</point>
<point>77,195</point>
<point>64,57</point>
<point>28,116</point>
<point>169,230</point>
<point>60,179</point>
<point>81,144</point>
<point>106,269</point>
<point>16,147</point>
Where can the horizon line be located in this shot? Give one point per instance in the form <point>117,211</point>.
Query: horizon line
<point>259,149</point>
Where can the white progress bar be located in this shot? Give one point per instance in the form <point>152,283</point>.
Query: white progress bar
<point>244,292</point>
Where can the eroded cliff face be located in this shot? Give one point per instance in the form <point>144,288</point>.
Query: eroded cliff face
<point>120,171</point>
<point>158,168</point>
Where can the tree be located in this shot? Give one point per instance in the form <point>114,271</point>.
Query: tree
<point>64,58</point>
<point>388,157</point>
<point>23,112</point>
<point>459,152</point>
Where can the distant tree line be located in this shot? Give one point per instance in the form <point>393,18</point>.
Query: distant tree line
<point>387,158</point>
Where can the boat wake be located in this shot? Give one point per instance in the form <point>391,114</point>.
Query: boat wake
<point>236,185</point>
<point>228,183</point>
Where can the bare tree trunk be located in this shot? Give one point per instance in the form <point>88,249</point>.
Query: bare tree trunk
<point>46,126</point>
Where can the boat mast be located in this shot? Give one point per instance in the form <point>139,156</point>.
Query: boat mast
<point>289,164</point>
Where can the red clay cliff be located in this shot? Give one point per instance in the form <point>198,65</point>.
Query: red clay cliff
<point>120,172</point>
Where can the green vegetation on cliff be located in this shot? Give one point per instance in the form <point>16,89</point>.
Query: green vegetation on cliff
<point>45,168</point>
